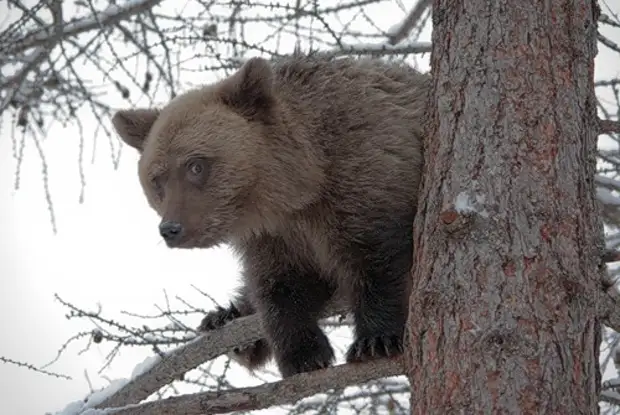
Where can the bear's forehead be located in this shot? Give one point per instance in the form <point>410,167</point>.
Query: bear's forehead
<point>181,134</point>
<point>175,118</point>
<point>192,121</point>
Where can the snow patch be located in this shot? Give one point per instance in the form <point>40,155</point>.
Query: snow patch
<point>79,407</point>
<point>146,364</point>
<point>86,408</point>
<point>463,204</point>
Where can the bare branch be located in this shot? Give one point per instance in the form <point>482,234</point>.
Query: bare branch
<point>610,311</point>
<point>113,14</point>
<point>32,367</point>
<point>610,397</point>
<point>37,56</point>
<point>605,19</point>
<point>286,391</point>
<point>611,256</point>
<point>381,49</point>
<point>400,31</point>
<point>609,126</point>
<point>609,43</point>
<point>174,364</point>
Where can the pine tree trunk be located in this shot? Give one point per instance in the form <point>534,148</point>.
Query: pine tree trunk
<point>508,236</point>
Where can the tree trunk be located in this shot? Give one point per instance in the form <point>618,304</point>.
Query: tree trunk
<point>508,235</point>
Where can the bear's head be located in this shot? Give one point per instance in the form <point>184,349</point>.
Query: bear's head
<point>222,161</point>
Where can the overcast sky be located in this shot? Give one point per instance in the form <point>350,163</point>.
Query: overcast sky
<point>107,251</point>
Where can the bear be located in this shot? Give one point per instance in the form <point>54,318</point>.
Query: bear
<point>309,168</point>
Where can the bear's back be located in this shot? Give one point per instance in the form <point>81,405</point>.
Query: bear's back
<point>367,117</point>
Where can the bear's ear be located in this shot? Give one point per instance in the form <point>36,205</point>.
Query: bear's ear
<point>250,90</point>
<point>134,125</point>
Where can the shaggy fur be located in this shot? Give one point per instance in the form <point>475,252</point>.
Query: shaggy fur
<point>309,168</point>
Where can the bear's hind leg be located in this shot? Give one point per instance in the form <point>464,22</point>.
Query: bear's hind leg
<point>380,293</point>
<point>379,322</point>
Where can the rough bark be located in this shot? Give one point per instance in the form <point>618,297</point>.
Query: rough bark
<point>503,312</point>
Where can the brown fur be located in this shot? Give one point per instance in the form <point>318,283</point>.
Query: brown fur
<point>310,170</point>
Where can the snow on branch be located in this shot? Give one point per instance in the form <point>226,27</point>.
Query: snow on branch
<point>283,392</point>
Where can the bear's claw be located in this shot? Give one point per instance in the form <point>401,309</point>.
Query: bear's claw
<point>219,317</point>
<point>370,348</point>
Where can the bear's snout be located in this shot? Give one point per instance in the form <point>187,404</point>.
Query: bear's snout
<point>171,231</point>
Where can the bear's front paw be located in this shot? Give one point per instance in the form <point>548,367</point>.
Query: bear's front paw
<point>218,317</point>
<point>374,347</point>
<point>307,353</point>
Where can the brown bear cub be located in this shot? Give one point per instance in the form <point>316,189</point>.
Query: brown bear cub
<point>309,169</point>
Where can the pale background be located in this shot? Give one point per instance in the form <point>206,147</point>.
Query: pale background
<point>107,251</point>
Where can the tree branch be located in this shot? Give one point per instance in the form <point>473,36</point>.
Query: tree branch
<point>610,397</point>
<point>400,31</point>
<point>609,311</point>
<point>379,49</point>
<point>611,256</point>
<point>33,368</point>
<point>174,364</point>
<point>238,333</point>
<point>287,391</point>
<point>54,35</point>
<point>608,126</point>
<point>109,16</point>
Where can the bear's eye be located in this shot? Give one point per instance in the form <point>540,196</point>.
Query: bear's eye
<point>196,170</point>
<point>195,167</point>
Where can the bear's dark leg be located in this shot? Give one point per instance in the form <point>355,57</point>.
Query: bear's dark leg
<point>252,356</point>
<point>290,304</point>
<point>289,296</point>
<point>381,293</point>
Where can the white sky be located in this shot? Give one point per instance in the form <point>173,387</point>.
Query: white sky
<point>107,251</point>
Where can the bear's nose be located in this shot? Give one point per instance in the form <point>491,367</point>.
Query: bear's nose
<point>170,231</point>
